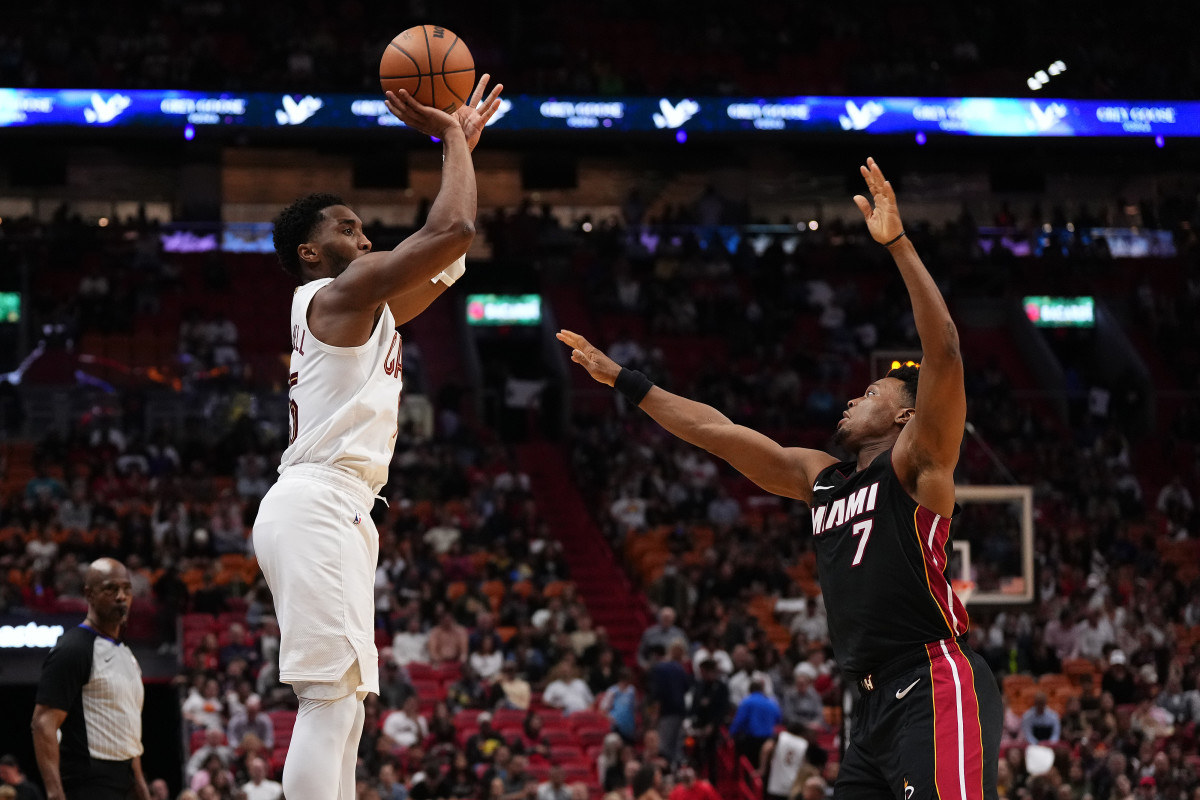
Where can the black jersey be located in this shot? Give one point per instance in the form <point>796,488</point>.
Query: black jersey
<point>881,562</point>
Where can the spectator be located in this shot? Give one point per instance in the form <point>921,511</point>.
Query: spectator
<point>388,785</point>
<point>1040,724</point>
<point>214,745</point>
<point>568,691</point>
<point>755,721</point>
<point>485,631</point>
<point>609,755</point>
<point>12,776</point>
<point>519,782</point>
<point>746,673</point>
<point>448,641</point>
<point>1092,634</point>
<point>604,671</point>
<point>555,788</point>
<point>486,742</point>
<point>487,660</point>
<point>259,787</point>
<point>460,780</point>
<point>252,720</point>
<point>801,703</point>
<point>532,741</point>
<point>394,684</point>
<point>467,692</point>
<point>516,690</point>
<point>619,701</point>
<point>672,590</point>
<point>709,710</point>
<point>711,649</point>
<point>647,783</point>
<point>782,759</point>
<point>660,635</point>
<point>1118,679</point>
<point>410,644</point>
<point>811,620</point>
<point>723,510</point>
<point>406,727</point>
<point>214,773</point>
<point>689,787</point>
<point>669,684</point>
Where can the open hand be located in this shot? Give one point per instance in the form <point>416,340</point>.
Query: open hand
<point>598,365</point>
<point>883,221</point>
<point>474,116</point>
<point>423,119</point>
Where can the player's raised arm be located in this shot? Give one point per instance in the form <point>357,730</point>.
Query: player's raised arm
<point>447,233</point>
<point>785,471</point>
<point>927,450</point>
<point>473,116</point>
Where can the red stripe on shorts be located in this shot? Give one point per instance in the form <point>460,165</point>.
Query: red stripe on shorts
<point>957,734</point>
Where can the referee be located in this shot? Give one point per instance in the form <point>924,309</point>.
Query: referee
<point>91,688</point>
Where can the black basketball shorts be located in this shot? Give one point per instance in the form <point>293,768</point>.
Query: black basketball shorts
<point>927,727</point>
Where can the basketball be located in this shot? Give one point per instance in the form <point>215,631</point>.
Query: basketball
<point>431,64</point>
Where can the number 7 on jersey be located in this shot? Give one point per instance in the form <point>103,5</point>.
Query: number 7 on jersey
<point>861,529</point>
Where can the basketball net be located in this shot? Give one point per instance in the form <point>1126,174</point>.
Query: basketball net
<point>963,589</point>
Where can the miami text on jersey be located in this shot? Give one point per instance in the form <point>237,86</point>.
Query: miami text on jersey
<point>844,509</point>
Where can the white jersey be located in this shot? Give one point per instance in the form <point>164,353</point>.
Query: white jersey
<point>343,401</point>
<point>785,763</point>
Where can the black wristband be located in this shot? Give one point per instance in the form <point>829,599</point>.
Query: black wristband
<point>893,241</point>
<point>633,384</point>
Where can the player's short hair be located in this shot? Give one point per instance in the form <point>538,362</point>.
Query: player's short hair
<point>294,226</point>
<point>908,375</point>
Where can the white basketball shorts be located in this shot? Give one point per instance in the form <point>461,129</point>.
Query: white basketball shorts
<point>318,547</point>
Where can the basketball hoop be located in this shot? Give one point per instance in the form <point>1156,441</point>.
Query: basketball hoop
<point>963,589</point>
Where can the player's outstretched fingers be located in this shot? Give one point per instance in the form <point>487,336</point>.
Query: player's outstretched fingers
<point>572,339</point>
<point>492,103</point>
<point>864,205</point>
<point>478,92</point>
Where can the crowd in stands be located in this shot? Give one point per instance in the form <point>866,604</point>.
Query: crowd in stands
<point>495,682</point>
<point>492,667</point>
<point>609,48</point>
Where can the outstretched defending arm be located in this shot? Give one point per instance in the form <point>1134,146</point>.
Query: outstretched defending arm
<point>785,471</point>
<point>927,450</point>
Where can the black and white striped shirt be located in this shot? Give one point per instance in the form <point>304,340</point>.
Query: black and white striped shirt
<point>98,682</point>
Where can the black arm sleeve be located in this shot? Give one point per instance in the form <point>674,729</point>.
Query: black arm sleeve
<point>66,670</point>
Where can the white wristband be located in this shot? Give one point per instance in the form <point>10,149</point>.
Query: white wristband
<point>453,272</point>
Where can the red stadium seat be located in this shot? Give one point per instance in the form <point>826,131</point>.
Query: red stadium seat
<point>505,717</point>
<point>429,690</point>
<point>560,736</point>
<point>589,719</point>
<point>578,771</point>
<point>563,754</point>
<point>553,718</point>
<point>593,736</point>
<point>282,720</point>
<point>419,670</point>
<point>468,717</point>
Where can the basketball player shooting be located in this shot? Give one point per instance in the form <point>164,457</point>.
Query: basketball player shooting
<point>314,538</point>
<point>928,725</point>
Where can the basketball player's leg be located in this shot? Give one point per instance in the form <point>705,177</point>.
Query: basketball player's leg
<point>859,777</point>
<point>350,754</point>
<point>324,746</point>
<point>945,731</point>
